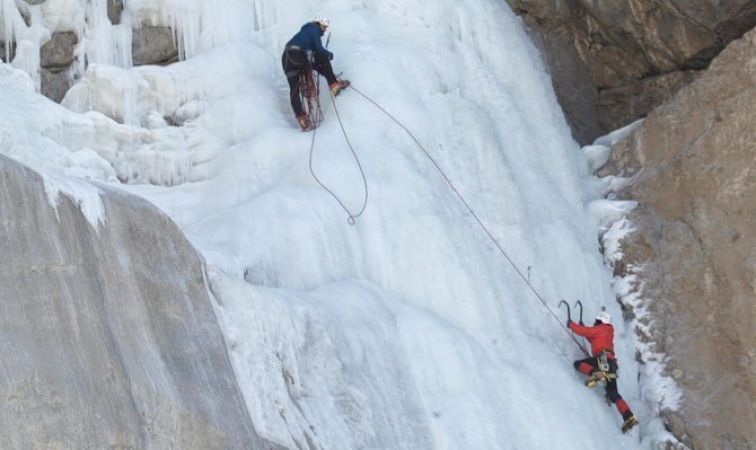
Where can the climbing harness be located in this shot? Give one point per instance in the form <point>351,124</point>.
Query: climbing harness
<point>473,214</point>
<point>604,372</point>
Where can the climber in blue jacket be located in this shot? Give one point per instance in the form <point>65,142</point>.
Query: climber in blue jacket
<point>295,61</point>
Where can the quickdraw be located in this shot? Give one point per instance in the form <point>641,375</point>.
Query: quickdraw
<point>603,362</point>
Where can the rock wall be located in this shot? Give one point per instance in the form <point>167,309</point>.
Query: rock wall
<point>693,164</point>
<point>57,55</point>
<point>613,61</point>
<point>108,338</point>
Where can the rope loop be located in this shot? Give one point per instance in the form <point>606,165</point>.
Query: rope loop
<point>352,218</point>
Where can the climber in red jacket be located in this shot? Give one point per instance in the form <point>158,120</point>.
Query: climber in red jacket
<point>602,366</point>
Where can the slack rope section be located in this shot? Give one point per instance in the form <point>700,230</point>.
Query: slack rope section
<point>472,213</point>
<point>352,218</point>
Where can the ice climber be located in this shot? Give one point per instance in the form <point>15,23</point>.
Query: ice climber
<point>602,366</point>
<point>295,60</point>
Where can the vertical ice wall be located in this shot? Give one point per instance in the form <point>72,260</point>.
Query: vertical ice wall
<point>102,42</point>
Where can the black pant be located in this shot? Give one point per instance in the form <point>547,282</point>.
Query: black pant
<point>294,62</point>
<point>589,365</point>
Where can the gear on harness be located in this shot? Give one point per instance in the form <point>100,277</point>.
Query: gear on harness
<point>309,93</point>
<point>603,361</point>
<point>604,372</point>
<point>600,377</point>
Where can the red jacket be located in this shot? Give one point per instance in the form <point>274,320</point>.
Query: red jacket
<point>600,336</point>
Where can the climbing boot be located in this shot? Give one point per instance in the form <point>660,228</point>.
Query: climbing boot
<point>338,86</point>
<point>303,122</point>
<point>630,422</point>
<point>595,378</point>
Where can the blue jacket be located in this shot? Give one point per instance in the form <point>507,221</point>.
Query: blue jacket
<point>308,39</point>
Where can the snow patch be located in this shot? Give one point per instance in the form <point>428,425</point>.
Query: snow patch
<point>608,212</point>
<point>597,155</point>
<point>617,135</point>
<point>83,194</point>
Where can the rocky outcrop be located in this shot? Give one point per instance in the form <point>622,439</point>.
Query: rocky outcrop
<point>615,60</point>
<point>58,52</point>
<point>57,55</point>
<point>115,9</point>
<point>693,164</point>
<point>150,45</point>
<point>153,45</point>
<point>108,338</point>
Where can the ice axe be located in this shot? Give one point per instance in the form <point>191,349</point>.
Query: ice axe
<point>580,304</point>
<point>569,318</point>
<point>569,314</point>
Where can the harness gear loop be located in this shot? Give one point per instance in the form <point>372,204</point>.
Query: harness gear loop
<point>603,362</point>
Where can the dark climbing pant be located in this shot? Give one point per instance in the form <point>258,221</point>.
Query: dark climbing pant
<point>590,365</point>
<point>294,62</point>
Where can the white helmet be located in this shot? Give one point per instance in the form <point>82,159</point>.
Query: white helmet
<point>322,21</point>
<point>604,317</point>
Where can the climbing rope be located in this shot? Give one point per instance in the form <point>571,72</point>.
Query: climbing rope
<point>351,220</point>
<point>474,215</point>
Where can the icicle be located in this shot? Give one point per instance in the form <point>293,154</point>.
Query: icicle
<point>102,42</point>
<point>28,39</point>
<point>9,12</point>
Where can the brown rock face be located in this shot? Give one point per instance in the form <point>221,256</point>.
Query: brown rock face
<point>58,52</point>
<point>697,194</point>
<point>153,45</point>
<point>115,9</point>
<point>57,55</point>
<point>632,54</point>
